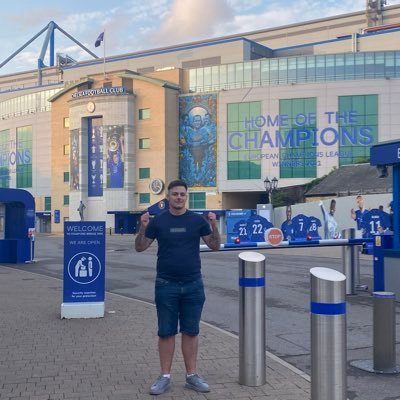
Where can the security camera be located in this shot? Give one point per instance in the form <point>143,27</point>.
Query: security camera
<point>382,171</point>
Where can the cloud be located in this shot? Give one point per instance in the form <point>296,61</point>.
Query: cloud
<point>192,20</point>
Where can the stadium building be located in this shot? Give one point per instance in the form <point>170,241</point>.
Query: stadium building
<point>292,102</point>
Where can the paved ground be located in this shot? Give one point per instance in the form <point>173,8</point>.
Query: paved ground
<point>44,357</point>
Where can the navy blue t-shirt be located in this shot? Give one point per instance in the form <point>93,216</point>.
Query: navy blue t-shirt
<point>178,237</point>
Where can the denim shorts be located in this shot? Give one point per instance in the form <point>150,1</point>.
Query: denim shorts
<point>179,302</point>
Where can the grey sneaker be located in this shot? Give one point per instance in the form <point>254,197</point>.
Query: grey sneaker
<point>197,383</point>
<point>160,385</point>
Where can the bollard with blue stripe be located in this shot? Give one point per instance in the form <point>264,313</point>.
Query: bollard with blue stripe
<point>384,336</point>
<point>328,334</point>
<point>252,343</point>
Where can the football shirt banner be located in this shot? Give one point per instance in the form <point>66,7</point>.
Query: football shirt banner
<point>247,226</point>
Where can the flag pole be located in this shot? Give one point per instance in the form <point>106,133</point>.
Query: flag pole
<point>104,53</point>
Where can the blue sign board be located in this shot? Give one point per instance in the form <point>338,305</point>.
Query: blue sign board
<point>56,216</point>
<point>84,262</point>
<point>385,153</point>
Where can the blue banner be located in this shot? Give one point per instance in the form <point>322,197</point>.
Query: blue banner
<point>84,262</point>
<point>95,161</point>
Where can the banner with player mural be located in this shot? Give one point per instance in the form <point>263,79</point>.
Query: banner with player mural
<point>198,140</point>
<point>115,156</point>
<point>247,226</point>
<point>74,159</point>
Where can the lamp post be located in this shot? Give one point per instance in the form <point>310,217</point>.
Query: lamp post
<point>270,186</point>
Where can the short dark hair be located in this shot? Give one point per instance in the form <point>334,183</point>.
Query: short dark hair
<point>176,183</point>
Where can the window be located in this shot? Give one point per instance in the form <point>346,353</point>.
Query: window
<point>197,200</point>
<point>244,158</point>
<point>66,122</point>
<point>47,203</point>
<point>297,157</point>
<point>144,113</point>
<point>144,143</point>
<point>4,153</point>
<point>358,132</point>
<point>66,200</point>
<point>66,149</point>
<point>144,173</point>
<point>24,159</point>
<point>66,176</point>
<point>144,198</point>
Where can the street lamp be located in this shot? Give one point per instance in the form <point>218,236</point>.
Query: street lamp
<point>270,186</point>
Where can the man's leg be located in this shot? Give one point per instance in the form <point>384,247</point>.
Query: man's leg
<point>166,348</point>
<point>189,351</point>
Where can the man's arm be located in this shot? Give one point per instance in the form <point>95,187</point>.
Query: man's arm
<point>213,240</point>
<point>141,241</point>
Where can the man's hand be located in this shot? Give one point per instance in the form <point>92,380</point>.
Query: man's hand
<point>141,241</point>
<point>353,214</point>
<point>144,220</point>
<point>213,241</point>
<point>212,218</point>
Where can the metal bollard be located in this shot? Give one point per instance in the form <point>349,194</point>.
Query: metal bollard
<point>252,344</point>
<point>349,261</point>
<point>384,336</point>
<point>328,335</point>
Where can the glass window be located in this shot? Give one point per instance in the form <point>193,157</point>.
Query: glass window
<point>359,66</point>
<point>66,176</point>
<point>369,65</point>
<point>379,65</point>
<point>349,66</point>
<point>339,66</point>
<point>389,64</point>
<point>66,200</point>
<point>297,157</point>
<point>24,157</point>
<point>144,198</point>
<point>239,73</point>
<point>282,70</point>
<point>66,122</point>
<point>222,76</point>
<point>144,113</point>
<point>231,73</point>
<point>66,149</point>
<point>292,70</point>
<point>47,204</point>
<point>265,77</point>
<point>353,133</point>
<point>192,79</point>
<point>247,74</point>
<point>207,78</point>
<point>215,77</point>
<point>310,69</point>
<point>197,200</point>
<point>244,159</point>
<point>255,76</point>
<point>200,77</point>
<point>4,154</point>
<point>144,143</point>
<point>144,173</point>
<point>274,72</point>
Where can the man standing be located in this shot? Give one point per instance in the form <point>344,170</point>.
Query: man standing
<point>179,290</point>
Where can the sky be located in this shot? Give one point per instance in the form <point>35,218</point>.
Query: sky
<point>135,25</point>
